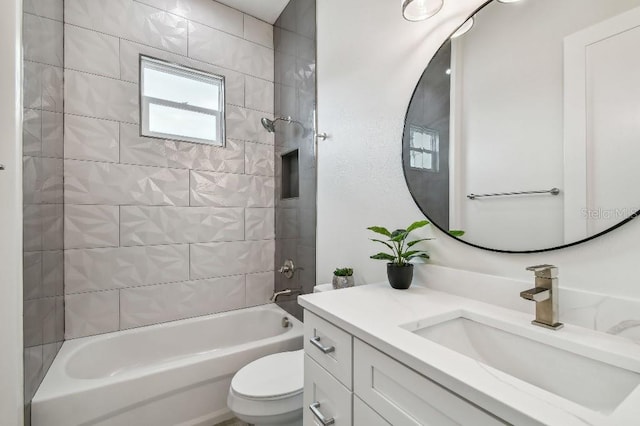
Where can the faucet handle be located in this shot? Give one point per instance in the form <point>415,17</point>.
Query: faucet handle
<point>544,271</point>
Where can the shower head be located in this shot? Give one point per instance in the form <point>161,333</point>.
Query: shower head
<point>270,125</point>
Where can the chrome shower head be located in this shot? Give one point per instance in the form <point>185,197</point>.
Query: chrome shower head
<point>269,125</point>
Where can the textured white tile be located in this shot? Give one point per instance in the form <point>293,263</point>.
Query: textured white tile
<point>130,20</point>
<point>259,94</point>
<point>43,227</point>
<point>32,275</point>
<point>244,124</point>
<point>141,225</point>
<point>258,31</point>
<point>111,268</point>
<point>90,226</point>
<point>232,258</point>
<point>136,149</point>
<point>32,85</point>
<point>208,12</point>
<point>52,9</point>
<point>32,132</point>
<point>259,224</point>
<point>52,88</point>
<point>87,138</point>
<point>231,190</point>
<point>52,134</point>
<point>53,273</point>
<point>129,68</point>
<point>89,182</point>
<point>219,48</point>
<point>42,133</point>
<point>33,370</point>
<point>100,97</point>
<point>42,180</point>
<point>91,313</point>
<point>260,287</point>
<point>91,52</point>
<point>259,159</point>
<point>42,40</point>
<point>159,303</point>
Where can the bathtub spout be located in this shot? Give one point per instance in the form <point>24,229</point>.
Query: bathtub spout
<point>285,292</point>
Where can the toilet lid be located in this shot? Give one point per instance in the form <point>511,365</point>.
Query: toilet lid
<point>273,376</point>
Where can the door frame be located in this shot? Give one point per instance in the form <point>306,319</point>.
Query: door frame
<point>11,354</point>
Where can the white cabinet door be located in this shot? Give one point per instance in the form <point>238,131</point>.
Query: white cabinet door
<point>324,397</point>
<point>363,415</point>
<point>404,397</point>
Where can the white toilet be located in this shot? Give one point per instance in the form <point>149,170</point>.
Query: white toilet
<point>268,391</point>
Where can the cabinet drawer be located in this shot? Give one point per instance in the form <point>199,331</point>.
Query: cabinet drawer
<point>324,395</point>
<point>363,415</point>
<point>404,397</point>
<point>330,346</point>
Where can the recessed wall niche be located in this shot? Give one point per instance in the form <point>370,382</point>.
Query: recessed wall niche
<point>290,175</point>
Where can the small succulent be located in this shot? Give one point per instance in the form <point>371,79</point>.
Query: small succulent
<point>343,272</point>
<point>401,249</point>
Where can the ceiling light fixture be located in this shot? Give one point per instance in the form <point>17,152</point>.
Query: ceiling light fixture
<point>464,28</point>
<point>419,10</point>
<point>508,1</point>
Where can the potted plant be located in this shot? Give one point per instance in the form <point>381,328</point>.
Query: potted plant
<point>342,277</point>
<point>399,268</point>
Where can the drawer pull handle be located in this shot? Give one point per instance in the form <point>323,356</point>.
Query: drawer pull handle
<point>315,409</point>
<point>315,341</point>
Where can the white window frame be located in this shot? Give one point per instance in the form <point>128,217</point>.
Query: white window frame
<point>435,153</point>
<point>182,71</point>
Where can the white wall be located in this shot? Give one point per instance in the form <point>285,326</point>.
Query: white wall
<point>11,410</point>
<point>369,61</point>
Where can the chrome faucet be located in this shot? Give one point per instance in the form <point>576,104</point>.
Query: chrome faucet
<point>545,294</point>
<point>284,292</point>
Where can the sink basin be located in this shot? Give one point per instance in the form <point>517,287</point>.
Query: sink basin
<point>591,383</point>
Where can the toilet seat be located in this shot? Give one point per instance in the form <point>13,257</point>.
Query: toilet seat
<point>274,377</point>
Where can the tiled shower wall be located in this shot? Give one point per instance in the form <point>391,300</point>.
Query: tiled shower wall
<point>295,96</point>
<point>42,190</point>
<point>161,230</point>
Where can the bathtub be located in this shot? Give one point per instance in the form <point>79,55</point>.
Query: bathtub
<point>176,373</point>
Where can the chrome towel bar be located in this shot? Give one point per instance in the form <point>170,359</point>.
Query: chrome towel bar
<point>552,191</point>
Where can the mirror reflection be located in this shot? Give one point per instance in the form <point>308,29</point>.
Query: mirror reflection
<point>524,130</point>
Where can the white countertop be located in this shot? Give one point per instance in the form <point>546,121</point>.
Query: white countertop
<point>374,314</point>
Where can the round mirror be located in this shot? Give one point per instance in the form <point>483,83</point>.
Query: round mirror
<point>524,131</point>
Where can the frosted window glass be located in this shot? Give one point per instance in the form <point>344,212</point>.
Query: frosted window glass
<point>180,89</point>
<point>180,103</point>
<point>424,146</point>
<point>173,121</point>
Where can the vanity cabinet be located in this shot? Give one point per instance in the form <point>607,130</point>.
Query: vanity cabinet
<point>345,378</point>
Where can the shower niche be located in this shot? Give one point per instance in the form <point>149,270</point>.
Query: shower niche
<point>290,175</point>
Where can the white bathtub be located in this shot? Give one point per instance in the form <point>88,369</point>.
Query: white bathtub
<point>176,373</point>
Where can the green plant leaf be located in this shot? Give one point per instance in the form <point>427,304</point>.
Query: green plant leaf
<point>422,255</point>
<point>384,256</point>
<point>414,242</point>
<point>399,235</point>
<point>416,225</point>
<point>456,232</point>
<point>410,253</point>
<point>382,242</point>
<point>380,230</point>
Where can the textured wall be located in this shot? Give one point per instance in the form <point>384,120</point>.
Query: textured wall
<point>161,230</point>
<point>295,96</point>
<point>42,189</point>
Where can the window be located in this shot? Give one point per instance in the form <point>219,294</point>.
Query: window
<point>180,103</point>
<point>424,147</point>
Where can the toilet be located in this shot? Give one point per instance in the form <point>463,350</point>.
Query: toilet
<point>268,391</point>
